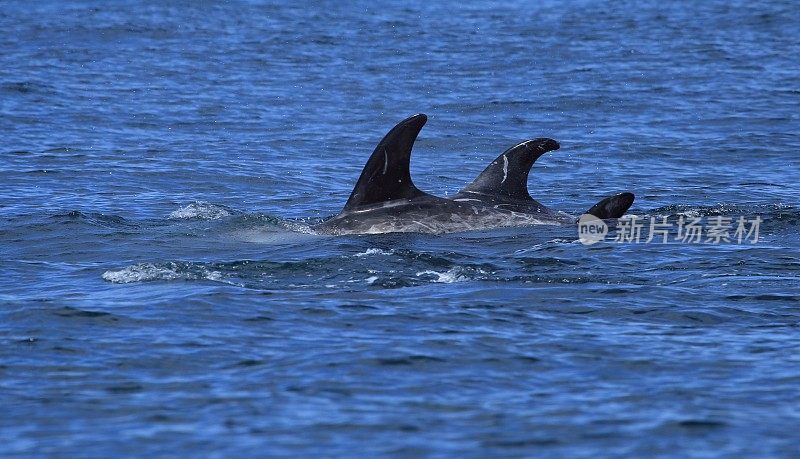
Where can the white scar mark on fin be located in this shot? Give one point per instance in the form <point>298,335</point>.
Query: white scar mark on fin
<point>385,161</point>
<point>505,169</point>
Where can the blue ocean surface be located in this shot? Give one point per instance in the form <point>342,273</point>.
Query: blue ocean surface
<point>162,295</point>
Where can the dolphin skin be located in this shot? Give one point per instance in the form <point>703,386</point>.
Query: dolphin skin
<point>385,199</point>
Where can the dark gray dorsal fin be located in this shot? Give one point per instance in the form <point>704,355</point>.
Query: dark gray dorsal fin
<point>507,175</point>
<point>612,206</point>
<point>386,176</point>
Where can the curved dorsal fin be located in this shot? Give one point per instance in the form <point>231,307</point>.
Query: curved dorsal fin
<point>612,206</point>
<point>386,176</point>
<point>507,175</point>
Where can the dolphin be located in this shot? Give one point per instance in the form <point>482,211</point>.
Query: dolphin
<point>385,200</point>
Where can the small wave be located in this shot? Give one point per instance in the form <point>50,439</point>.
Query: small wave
<point>774,217</point>
<point>269,229</point>
<point>454,274</point>
<point>374,252</point>
<point>297,226</point>
<point>145,272</point>
<point>546,245</point>
<point>200,210</point>
<point>22,87</point>
<point>723,210</point>
<point>93,218</point>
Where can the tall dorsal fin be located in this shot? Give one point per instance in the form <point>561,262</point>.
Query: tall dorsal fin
<point>507,175</point>
<point>386,176</point>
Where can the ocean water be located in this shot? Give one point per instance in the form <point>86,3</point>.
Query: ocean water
<point>161,295</point>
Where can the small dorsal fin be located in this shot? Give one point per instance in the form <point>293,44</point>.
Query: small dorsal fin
<point>612,206</point>
<point>386,176</point>
<point>507,175</point>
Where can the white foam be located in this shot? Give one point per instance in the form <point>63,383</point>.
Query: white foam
<point>140,273</point>
<point>145,272</point>
<point>454,274</point>
<point>374,252</point>
<point>549,243</point>
<point>200,210</point>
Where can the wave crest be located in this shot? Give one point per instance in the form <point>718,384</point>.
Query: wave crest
<point>201,210</point>
<point>144,272</point>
